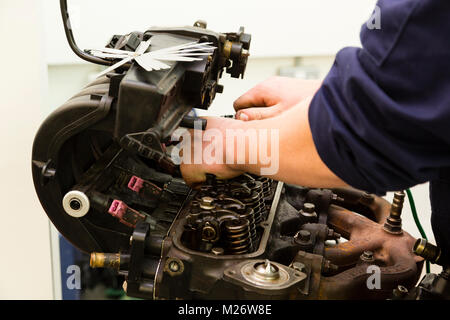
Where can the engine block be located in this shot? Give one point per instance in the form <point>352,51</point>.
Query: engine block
<point>104,176</point>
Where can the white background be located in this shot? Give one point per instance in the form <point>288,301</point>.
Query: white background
<point>279,28</point>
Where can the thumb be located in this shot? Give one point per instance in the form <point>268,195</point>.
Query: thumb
<point>258,113</point>
<point>192,174</point>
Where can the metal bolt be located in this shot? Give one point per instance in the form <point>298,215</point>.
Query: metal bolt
<point>208,232</point>
<point>308,212</point>
<point>393,223</point>
<point>309,207</point>
<point>332,235</point>
<point>207,203</point>
<point>367,256</point>
<point>397,204</point>
<point>400,292</point>
<point>327,266</point>
<point>402,289</point>
<point>336,198</point>
<point>304,235</point>
<point>200,24</point>
<point>174,266</point>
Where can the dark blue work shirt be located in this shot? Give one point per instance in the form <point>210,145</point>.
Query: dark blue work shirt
<point>381,120</point>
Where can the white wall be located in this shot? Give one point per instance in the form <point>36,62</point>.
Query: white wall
<point>25,266</point>
<point>279,28</point>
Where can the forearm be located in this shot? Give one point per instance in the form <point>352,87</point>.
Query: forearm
<point>289,146</point>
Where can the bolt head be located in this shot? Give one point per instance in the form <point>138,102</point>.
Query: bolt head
<point>207,203</point>
<point>208,233</point>
<point>174,266</point>
<point>304,235</point>
<point>367,256</point>
<point>309,207</point>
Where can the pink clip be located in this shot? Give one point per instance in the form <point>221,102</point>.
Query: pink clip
<point>135,184</point>
<point>117,209</point>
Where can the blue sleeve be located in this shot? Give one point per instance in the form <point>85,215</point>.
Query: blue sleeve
<point>381,119</point>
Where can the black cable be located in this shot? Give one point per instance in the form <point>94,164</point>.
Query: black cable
<point>70,38</point>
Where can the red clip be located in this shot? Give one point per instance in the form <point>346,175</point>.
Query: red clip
<point>125,214</point>
<point>118,209</point>
<point>135,184</point>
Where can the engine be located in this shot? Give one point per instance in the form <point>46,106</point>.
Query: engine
<point>103,173</point>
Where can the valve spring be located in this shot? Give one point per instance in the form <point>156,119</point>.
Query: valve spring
<point>237,234</point>
<point>258,204</point>
<point>250,216</point>
<point>266,186</point>
<point>261,207</point>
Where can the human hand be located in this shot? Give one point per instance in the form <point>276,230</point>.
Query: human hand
<point>273,96</point>
<point>195,165</point>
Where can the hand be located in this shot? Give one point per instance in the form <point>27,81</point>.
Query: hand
<point>266,147</point>
<point>195,173</point>
<point>273,96</point>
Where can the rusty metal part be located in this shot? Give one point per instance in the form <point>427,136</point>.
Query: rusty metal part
<point>227,49</point>
<point>366,204</point>
<point>107,260</point>
<point>392,254</point>
<point>393,223</point>
<point>427,251</point>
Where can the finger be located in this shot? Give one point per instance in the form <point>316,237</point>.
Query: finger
<point>258,113</point>
<point>192,174</point>
<point>255,97</point>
